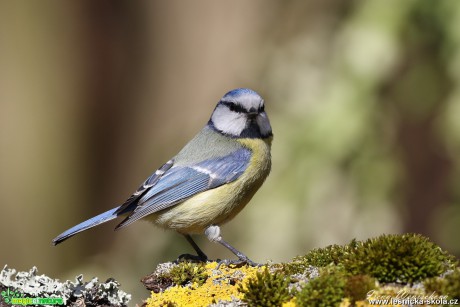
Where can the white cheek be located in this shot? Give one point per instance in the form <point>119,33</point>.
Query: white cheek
<point>228,122</point>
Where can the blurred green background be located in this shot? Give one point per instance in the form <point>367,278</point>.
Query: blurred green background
<point>363,96</point>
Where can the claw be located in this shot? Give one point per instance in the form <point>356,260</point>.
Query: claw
<point>238,262</point>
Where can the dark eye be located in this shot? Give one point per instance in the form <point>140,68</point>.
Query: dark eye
<point>232,107</point>
<point>262,108</point>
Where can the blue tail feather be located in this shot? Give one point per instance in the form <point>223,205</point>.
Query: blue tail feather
<point>92,222</point>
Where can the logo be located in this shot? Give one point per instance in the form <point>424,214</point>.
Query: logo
<point>18,298</point>
<point>8,295</point>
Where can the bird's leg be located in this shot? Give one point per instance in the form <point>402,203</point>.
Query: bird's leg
<point>201,256</point>
<point>213,234</point>
<point>196,248</point>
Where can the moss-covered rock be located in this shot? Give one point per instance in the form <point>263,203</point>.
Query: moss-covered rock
<point>404,258</point>
<point>326,290</point>
<point>388,266</point>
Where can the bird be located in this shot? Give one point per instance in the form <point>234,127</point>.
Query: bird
<point>208,182</point>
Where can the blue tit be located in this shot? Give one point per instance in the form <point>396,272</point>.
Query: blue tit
<point>209,181</point>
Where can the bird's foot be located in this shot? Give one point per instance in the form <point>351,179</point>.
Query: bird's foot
<point>238,262</point>
<point>190,257</point>
<point>213,234</point>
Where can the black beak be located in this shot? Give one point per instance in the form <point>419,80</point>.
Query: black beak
<point>252,114</point>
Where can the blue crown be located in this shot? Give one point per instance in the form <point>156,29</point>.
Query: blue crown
<point>240,92</point>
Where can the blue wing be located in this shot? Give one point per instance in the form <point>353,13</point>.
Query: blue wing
<point>182,182</point>
<point>131,203</point>
<point>168,186</point>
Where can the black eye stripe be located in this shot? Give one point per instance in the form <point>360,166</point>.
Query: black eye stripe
<point>234,107</point>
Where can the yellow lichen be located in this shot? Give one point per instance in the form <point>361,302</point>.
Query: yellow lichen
<point>345,303</point>
<point>222,284</point>
<point>290,303</point>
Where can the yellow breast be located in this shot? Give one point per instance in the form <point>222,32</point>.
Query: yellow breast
<point>219,205</point>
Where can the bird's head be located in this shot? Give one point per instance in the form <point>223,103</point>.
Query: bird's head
<point>241,114</point>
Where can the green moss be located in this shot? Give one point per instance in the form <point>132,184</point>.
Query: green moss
<point>358,286</point>
<point>448,285</point>
<point>319,257</point>
<point>333,284</point>
<point>186,272</point>
<point>326,290</point>
<point>266,289</point>
<point>398,258</point>
<point>389,258</point>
